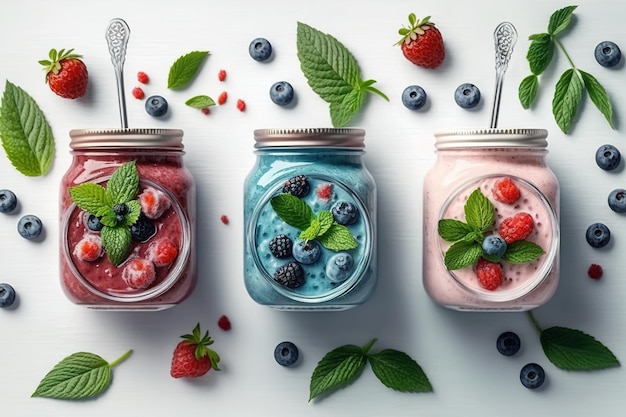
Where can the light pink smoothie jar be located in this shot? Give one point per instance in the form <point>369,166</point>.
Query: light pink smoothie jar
<point>151,219</point>
<point>491,221</point>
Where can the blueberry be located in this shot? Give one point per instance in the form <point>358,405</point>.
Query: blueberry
<point>608,157</point>
<point>156,106</point>
<point>120,209</point>
<point>306,251</point>
<point>344,212</point>
<point>29,227</point>
<point>339,267</point>
<point>7,295</point>
<point>467,96</point>
<point>532,376</point>
<point>494,246</point>
<point>8,201</point>
<point>286,353</point>
<point>414,97</point>
<point>93,223</point>
<point>143,229</point>
<point>508,343</point>
<point>598,235</point>
<point>617,200</point>
<point>281,93</point>
<point>608,54</point>
<point>260,49</point>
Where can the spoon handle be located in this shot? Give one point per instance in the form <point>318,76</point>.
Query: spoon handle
<point>117,35</point>
<point>505,37</point>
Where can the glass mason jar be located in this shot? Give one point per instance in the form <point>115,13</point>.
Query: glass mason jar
<point>310,220</point>
<point>127,220</point>
<point>491,221</point>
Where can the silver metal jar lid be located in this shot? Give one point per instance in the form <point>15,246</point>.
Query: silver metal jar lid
<point>161,139</point>
<point>307,137</point>
<point>491,138</point>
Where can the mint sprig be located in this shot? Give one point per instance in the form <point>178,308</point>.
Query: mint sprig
<point>184,69</point>
<point>95,199</point>
<point>26,135</point>
<point>79,375</point>
<point>333,73</point>
<point>569,89</point>
<point>321,227</point>
<point>343,365</point>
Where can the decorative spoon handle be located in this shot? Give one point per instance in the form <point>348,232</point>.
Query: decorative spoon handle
<point>505,37</point>
<point>117,35</point>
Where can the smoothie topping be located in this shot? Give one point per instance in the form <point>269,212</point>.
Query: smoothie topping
<point>422,43</point>
<point>192,357</point>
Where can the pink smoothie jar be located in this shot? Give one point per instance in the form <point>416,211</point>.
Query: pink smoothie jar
<point>491,221</point>
<point>127,220</point>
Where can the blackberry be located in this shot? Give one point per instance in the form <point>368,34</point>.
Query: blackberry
<point>297,186</point>
<point>290,275</point>
<point>281,246</point>
<point>143,229</point>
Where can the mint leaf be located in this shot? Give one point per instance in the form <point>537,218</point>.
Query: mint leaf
<point>124,183</point>
<point>134,210</point>
<point>337,368</point>
<point>338,238</point>
<point>333,73</point>
<point>574,350</point>
<point>568,93</point>
<point>184,69</point>
<point>598,96</point>
<point>115,241</point>
<point>452,230</point>
<point>326,220</point>
<point>560,20</point>
<point>107,217</point>
<point>398,371</point>
<point>311,232</point>
<point>527,91</point>
<point>479,211</point>
<point>292,210</point>
<point>26,135</point>
<point>522,251</point>
<point>90,197</point>
<point>79,375</point>
<point>200,102</point>
<point>540,52</point>
<point>462,254</point>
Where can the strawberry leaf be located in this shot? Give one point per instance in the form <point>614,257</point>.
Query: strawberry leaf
<point>567,96</point>
<point>574,350</point>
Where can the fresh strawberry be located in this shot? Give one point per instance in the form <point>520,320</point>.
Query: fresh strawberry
<point>489,274</point>
<point>515,228</point>
<point>422,43</point>
<point>153,202</point>
<point>162,252</point>
<point>139,273</point>
<point>66,73</point>
<point>505,191</point>
<point>192,357</point>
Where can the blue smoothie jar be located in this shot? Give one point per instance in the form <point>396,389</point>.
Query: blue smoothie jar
<point>310,220</point>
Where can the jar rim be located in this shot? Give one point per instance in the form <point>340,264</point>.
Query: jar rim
<point>144,138</point>
<point>491,138</point>
<point>310,137</point>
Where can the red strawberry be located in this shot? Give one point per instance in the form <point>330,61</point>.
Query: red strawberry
<point>515,228</point>
<point>422,43</point>
<point>162,252</point>
<point>66,74</point>
<point>89,248</point>
<point>505,191</point>
<point>139,273</point>
<point>192,357</point>
<point>489,274</point>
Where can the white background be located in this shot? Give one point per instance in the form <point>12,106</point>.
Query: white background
<point>456,350</point>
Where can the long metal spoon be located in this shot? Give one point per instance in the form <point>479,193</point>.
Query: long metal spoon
<point>117,35</point>
<point>505,37</point>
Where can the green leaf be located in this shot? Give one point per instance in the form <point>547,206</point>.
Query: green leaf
<point>527,91</point>
<point>200,102</point>
<point>540,53</point>
<point>398,371</point>
<point>90,197</point>
<point>26,135</point>
<point>184,69</point>
<point>79,375</point>
<point>312,231</point>
<point>292,210</point>
<point>462,254</point>
<point>134,210</point>
<point>522,251</point>
<point>479,211</point>
<point>452,230</point>
<point>341,112</point>
<point>337,368</point>
<point>567,96</point>
<point>116,241</point>
<point>326,220</point>
<point>338,238</point>
<point>560,20</point>
<point>574,350</point>
<point>598,96</point>
<point>124,183</point>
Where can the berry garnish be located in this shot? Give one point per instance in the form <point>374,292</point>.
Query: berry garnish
<point>153,202</point>
<point>505,191</point>
<point>281,93</point>
<point>344,212</point>
<point>467,96</point>
<point>297,186</point>
<point>205,110</point>
<point>221,99</point>
<point>241,105</point>
<point>224,219</point>
<point>281,246</point>
<point>139,273</point>
<point>138,93</point>
<point>286,353</point>
<point>608,157</point>
<point>598,235</point>
<point>89,248</point>
<point>156,106</point>
<point>162,252</point>
<point>7,295</point>
<point>508,343</point>
<point>29,227</point>
<point>306,251</point>
<point>339,267</point>
<point>489,274</point>
<point>414,97</point>
<point>224,323</point>
<point>518,227</point>
<point>66,74</point>
<point>608,54</point>
<point>221,75</point>
<point>260,49</point>
<point>595,271</point>
<point>290,275</point>
<point>532,376</point>
<point>617,200</point>
<point>192,356</point>
<point>143,229</point>
<point>324,192</point>
<point>494,246</point>
<point>93,223</point>
<point>142,77</point>
<point>422,43</point>
<point>8,201</point>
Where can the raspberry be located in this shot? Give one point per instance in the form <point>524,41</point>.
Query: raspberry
<point>489,274</point>
<point>139,273</point>
<point>505,191</point>
<point>241,105</point>
<point>142,77</point>
<point>297,186</point>
<point>89,248</point>
<point>515,228</point>
<point>162,252</point>
<point>595,271</point>
<point>153,203</point>
<point>221,75</point>
<point>224,323</point>
<point>224,219</point>
<point>281,246</point>
<point>324,192</point>
<point>290,275</point>
<point>205,110</point>
<point>222,98</point>
<point>138,93</point>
